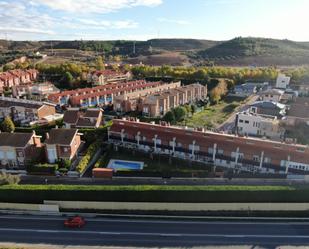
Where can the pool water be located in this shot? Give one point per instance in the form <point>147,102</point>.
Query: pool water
<point>125,165</point>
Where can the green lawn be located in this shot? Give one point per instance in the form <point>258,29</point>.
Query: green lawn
<point>213,115</point>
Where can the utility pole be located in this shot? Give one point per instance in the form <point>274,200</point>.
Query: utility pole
<point>134,42</point>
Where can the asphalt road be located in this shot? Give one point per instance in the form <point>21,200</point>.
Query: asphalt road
<point>152,232</point>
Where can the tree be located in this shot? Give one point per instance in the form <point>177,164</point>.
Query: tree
<point>68,79</point>
<point>180,113</point>
<point>7,125</point>
<point>193,109</point>
<point>169,117</point>
<point>100,63</point>
<point>219,91</point>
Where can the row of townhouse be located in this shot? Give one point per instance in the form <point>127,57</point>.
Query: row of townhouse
<point>18,149</point>
<point>25,111</point>
<point>129,102</point>
<point>230,151</point>
<point>99,95</point>
<point>160,103</point>
<point>107,76</point>
<point>39,91</point>
<point>17,77</point>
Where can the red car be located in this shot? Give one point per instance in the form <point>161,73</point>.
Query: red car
<point>75,222</point>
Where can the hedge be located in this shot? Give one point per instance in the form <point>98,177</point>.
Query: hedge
<point>48,169</point>
<point>150,193</point>
<point>86,158</point>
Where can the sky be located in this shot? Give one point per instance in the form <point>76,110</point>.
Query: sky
<point>147,19</point>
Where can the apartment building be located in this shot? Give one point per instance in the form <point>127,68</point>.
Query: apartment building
<point>100,95</point>
<point>25,111</point>
<point>158,104</point>
<point>107,76</point>
<point>35,91</point>
<point>230,151</point>
<point>18,148</point>
<point>62,144</point>
<point>129,102</point>
<point>252,124</point>
<point>17,77</point>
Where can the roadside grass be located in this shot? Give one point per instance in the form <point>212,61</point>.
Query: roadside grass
<point>213,115</point>
<point>59,187</point>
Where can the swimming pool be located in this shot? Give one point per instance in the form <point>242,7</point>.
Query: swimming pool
<point>125,165</point>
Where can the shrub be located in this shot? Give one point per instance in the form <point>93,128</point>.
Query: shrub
<point>44,169</point>
<point>7,179</point>
<point>86,159</point>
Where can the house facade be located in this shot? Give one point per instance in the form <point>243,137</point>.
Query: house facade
<point>17,77</point>
<point>251,124</point>
<point>229,151</point>
<point>18,148</point>
<point>62,144</point>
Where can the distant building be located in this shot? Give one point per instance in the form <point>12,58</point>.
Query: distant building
<point>108,76</point>
<point>35,91</point>
<point>302,89</point>
<point>129,101</point>
<point>159,104</point>
<point>282,81</point>
<point>273,95</point>
<point>268,108</point>
<point>298,112</point>
<point>17,77</point>
<point>18,148</point>
<point>25,111</point>
<point>245,90</point>
<point>62,144</point>
<point>99,95</point>
<point>91,118</point>
<point>249,124</point>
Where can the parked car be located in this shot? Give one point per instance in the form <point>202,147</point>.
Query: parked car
<point>75,222</point>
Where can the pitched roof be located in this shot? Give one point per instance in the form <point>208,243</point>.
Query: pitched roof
<point>268,105</point>
<point>15,139</point>
<point>71,116</point>
<point>61,136</point>
<point>92,113</point>
<point>300,108</point>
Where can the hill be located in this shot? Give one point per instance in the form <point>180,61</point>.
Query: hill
<point>258,51</point>
<point>236,52</point>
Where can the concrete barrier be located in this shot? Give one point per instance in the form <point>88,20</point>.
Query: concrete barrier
<point>30,207</point>
<point>156,206</point>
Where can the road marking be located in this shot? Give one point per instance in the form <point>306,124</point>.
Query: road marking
<point>117,220</point>
<point>157,234</point>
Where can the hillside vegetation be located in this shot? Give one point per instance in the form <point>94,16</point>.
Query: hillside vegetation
<point>238,51</point>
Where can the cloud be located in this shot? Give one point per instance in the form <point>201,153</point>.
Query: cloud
<point>105,24</point>
<point>27,30</point>
<point>95,6</point>
<point>175,21</point>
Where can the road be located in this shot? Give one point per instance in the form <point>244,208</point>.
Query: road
<point>152,232</point>
<point>229,124</point>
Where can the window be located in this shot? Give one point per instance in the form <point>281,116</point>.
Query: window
<point>65,149</point>
<point>241,121</point>
<point>246,121</point>
<point>256,158</point>
<point>220,152</point>
<point>300,149</point>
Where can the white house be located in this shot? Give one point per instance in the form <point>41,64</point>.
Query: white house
<point>282,81</point>
<point>247,124</point>
<point>273,95</point>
